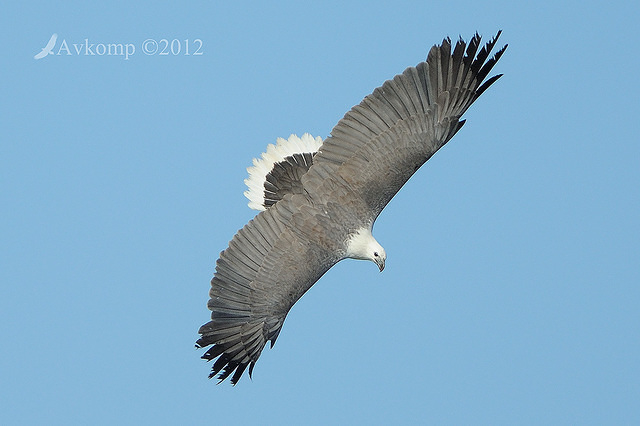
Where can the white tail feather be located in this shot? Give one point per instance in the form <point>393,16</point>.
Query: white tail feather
<point>275,153</point>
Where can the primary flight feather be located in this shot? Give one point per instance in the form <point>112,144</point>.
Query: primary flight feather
<point>319,199</point>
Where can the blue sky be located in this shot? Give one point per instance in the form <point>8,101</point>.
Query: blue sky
<point>511,290</point>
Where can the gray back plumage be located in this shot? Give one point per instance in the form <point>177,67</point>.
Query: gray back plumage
<point>314,209</point>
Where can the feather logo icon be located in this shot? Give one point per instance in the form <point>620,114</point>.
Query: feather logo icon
<point>47,50</point>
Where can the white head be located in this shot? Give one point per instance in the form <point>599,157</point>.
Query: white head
<point>363,246</point>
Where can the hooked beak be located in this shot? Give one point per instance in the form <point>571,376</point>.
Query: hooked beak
<point>380,263</point>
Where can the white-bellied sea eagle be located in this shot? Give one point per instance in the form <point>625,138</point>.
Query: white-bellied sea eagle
<point>319,199</point>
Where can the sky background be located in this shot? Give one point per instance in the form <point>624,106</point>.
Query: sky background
<point>512,288</point>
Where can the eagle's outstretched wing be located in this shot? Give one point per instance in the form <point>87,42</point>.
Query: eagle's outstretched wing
<point>381,142</point>
<point>268,266</point>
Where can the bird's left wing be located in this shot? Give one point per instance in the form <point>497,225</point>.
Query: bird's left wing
<point>268,266</point>
<point>381,142</point>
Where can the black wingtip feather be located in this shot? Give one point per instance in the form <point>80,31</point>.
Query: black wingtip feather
<point>472,48</point>
<point>239,370</point>
<point>486,68</point>
<point>213,352</point>
<point>232,351</point>
<point>479,65</point>
<point>486,84</point>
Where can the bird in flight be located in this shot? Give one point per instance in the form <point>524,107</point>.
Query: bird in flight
<point>47,50</point>
<point>319,199</point>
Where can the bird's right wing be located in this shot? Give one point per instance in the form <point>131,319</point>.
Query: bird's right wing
<point>381,142</point>
<point>268,266</point>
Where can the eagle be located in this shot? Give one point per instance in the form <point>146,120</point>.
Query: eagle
<point>319,199</point>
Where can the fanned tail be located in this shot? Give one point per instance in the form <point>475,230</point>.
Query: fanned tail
<point>279,170</point>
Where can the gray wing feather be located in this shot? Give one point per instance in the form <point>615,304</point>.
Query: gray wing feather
<point>268,266</point>
<point>378,145</point>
